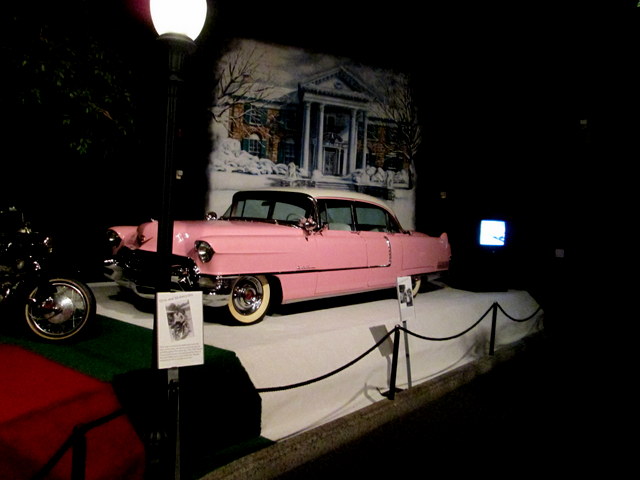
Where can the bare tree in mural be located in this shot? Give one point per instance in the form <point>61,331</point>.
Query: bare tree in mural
<point>239,77</point>
<point>398,104</point>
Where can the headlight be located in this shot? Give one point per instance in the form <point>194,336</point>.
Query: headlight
<point>113,239</point>
<point>204,251</point>
<point>48,244</point>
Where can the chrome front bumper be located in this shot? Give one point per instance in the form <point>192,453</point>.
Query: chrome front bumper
<point>129,272</point>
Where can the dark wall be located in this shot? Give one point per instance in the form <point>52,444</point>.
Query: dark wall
<point>502,89</point>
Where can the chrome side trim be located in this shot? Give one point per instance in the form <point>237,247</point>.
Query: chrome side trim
<point>388,248</point>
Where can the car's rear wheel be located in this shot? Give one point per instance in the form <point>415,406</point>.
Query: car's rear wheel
<point>250,299</point>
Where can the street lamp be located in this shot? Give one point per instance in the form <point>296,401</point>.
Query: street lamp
<point>181,17</point>
<point>178,23</point>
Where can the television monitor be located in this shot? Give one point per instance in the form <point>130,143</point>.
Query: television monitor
<point>493,233</point>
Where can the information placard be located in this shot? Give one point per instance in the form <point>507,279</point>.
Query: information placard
<point>405,299</point>
<point>180,329</point>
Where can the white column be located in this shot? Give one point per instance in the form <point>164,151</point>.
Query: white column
<point>320,145</point>
<point>364,138</point>
<point>306,127</point>
<point>353,142</point>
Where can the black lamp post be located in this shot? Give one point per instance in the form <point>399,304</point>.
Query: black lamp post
<point>178,23</point>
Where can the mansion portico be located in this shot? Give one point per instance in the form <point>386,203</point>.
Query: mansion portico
<point>335,109</point>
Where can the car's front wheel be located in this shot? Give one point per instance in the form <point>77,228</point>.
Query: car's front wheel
<point>250,299</point>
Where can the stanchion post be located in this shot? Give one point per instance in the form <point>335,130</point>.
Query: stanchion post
<point>173,378</point>
<point>494,316</point>
<point>394,364</point>
<point>78,454</point>
<point>407,354</point>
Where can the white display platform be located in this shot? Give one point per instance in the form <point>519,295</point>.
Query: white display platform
<point>305,341</point>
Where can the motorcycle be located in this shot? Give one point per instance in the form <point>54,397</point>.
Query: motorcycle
<point>55,307</point>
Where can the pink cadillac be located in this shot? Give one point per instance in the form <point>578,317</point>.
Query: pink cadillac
<point>281,246</point>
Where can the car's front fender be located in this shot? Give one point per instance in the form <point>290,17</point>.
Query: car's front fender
<point>127,235</point>
<point>259,254</point>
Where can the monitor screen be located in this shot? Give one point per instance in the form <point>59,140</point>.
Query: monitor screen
<point>493,233</point>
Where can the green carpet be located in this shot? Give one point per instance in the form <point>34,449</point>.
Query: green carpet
<point>114,348</point>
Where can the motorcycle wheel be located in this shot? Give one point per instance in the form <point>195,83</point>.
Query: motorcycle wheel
<point>60,309</point>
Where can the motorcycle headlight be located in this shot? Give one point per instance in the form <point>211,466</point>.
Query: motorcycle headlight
<point>48,244</point>
<point>204,250</point>
<point>113,239</point>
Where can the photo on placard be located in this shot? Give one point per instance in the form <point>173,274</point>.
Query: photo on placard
<point>405,298</point>
<point>179,320</point>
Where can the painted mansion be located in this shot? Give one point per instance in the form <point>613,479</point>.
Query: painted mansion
<point>330,127</point>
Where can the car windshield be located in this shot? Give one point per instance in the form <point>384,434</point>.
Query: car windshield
<point>274,207</point>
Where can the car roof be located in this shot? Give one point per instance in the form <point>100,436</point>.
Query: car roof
<point>320,193</point>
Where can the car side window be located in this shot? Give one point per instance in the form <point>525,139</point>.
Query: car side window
<point>287,212</point>
<point>336,214</point>
<point>371,218</point>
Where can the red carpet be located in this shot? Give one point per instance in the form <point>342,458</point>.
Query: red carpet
<point>40,404</point>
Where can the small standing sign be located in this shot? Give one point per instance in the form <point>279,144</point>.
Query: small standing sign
<point>405,299</point>
<point>180,329</point>
<point>407,312</point>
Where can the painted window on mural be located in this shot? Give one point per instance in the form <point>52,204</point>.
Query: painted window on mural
<point>255,115</point>
<point>254,146</point>
<point>287,151</point>
<point>372,132</point>
<point>288,119</point>
<point>336,123</point>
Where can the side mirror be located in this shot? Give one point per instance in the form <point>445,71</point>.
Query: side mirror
<point>211,216</point>
<point>308,224</point>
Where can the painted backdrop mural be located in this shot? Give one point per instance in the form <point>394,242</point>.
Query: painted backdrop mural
<point>287,117</point>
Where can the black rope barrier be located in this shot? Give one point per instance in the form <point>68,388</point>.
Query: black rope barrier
<point>435,339</point>
<point>77,443</point>
<point>327,375</point>
<point>515,319</point>
<point>493,309</point>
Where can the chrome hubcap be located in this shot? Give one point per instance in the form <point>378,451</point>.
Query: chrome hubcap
<point>247,295</point>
